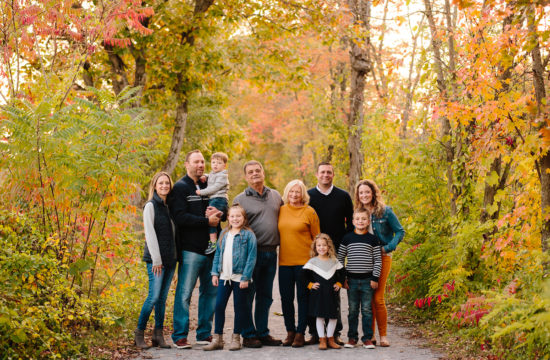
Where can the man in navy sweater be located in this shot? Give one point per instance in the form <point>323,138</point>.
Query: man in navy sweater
<point>193,217</point>
<point>335,210</point>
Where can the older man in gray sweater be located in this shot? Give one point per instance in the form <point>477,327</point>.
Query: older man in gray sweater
<point>262,209</point>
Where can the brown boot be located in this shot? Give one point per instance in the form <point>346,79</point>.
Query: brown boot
<point>139,339</point>
<point>158,339</point>
<point>332,344</point>
<point>289,338</point>
<point>216,344</point>
<point>323,343</point>
<point>298,340</point>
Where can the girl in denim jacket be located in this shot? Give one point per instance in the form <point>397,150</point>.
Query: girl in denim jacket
<point>386,226</point>
<point>231,272</point>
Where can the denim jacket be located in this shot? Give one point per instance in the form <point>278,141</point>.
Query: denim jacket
<point>388,229</point>
<point>244,254</point>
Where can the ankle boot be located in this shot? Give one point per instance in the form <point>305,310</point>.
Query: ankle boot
<point>158,339</point>
<point>332,344</point>
<point>298,340</point>
<point>139,339</point>
<point>289,338</point>
<point>235,342</point>
<point>323,343</point>
<point>216,344</point>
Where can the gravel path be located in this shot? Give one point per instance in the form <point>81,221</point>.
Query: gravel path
<point>402,345</point>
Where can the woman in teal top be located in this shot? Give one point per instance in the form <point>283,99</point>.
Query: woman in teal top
<point>387,228</point>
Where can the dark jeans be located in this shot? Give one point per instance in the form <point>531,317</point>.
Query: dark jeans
<point>289,279</point>
<point>239,306</point>
<point>360,295</point>
<point>262,288</point>
<point>220,204</point>
<point>156,298</point>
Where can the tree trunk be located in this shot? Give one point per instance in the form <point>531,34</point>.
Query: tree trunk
<point>177,138</point>
<point>540,96</point>
<point>446,134</point>
<point>360,66</point>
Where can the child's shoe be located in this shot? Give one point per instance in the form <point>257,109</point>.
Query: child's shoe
<point>322,343</point>
<point>351,344</point>
<point>235,342</point>
<point>211,248</point>
<point>332,344</point>
<point>368,345</point>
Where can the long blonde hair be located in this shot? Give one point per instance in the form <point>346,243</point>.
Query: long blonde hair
<point>245,226</point>
<point>377,201</point>
<point>331,250</point>
<point>153,183</point>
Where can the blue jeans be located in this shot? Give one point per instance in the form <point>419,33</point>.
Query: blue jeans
<point>240,305</point>
<point>289,279</point>
<point>156,298</point>
<point>192,267</point>
<point>220,204</point>
<point>360,295</point>
<point>262,288</point>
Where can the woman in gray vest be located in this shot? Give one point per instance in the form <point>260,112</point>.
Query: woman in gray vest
<point>160,257</point>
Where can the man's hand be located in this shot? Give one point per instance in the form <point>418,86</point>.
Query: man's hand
<point>203,178</point>
<point>374,284</point>
<point>215,280</point>
<point>336,287</point>
<point>213,211</point>
<point>346,285</point>
<point>213,220</point>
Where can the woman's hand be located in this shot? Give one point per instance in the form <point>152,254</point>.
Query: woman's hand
<point>215,280</point>
<point>243,285</point>
<point>157,270</point>
<point>336,287</point>
<point>315,286</point>
<point>383,251</point>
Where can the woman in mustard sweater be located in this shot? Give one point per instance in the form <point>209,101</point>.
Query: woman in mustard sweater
<point>298,226</point>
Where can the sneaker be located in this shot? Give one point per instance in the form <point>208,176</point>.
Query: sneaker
<point>182,344</point>
<point>211,248</point>
<point>206,341</point>
<point>368,345</point>
<point>252,343</point>
<point>269,340</point>
<point>351,344</point>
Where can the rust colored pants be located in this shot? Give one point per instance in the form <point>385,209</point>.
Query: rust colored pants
<point>379,312</point>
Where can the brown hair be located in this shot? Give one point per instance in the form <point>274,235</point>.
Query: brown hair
<point>324,163</point>
<point>250,163</point>
<point>153,183</point>
<point>331,250</point>
<point>221,156</point>
<point>377,202</point>
<point>188,155</point>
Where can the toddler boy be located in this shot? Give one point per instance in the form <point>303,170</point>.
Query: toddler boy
<point>218,185</point>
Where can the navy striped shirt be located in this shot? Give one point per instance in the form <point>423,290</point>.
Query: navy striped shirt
<point>364,255</point>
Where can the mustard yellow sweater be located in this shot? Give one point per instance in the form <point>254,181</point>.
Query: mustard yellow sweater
<point>298,226</point>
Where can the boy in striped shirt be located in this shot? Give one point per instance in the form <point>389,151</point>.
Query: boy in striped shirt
<point>364,261</point>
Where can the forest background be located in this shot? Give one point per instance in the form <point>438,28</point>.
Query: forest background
<point>443,103</point>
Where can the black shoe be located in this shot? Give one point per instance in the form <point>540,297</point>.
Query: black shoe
<point>338,341</point>
<point>269,340</point>
<point>252,342</point>
<point>313,340</point>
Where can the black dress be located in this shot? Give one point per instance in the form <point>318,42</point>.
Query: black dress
<point>323,301</point>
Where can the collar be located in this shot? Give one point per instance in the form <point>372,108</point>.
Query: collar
<point>251,192</point>
<point>323,192</point>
